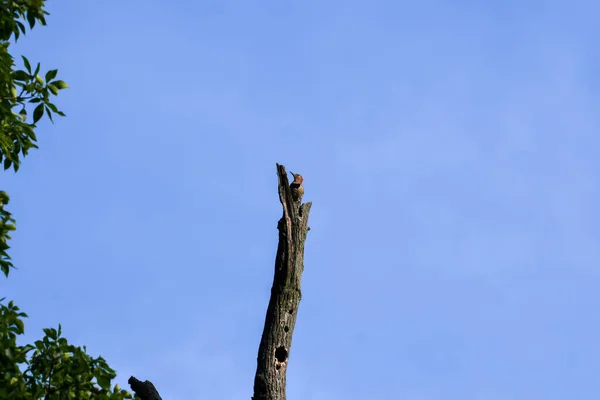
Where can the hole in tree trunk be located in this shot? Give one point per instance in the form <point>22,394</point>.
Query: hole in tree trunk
<point>281,354</point>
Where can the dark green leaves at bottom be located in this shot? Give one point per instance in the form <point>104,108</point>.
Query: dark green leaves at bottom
<point>52,369</point>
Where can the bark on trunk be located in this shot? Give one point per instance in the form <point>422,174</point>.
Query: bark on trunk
<point>274,349</point>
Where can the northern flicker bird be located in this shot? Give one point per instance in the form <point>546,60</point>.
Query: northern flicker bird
<point>297,188</point>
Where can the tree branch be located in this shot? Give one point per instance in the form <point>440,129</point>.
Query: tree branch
<point>276,341</point>
<point>144,390</point>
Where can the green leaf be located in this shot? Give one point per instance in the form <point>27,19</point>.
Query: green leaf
<point>5,267</point>
<point>52,107</point>
<point>30,133</point>
<point>31,19</point>
<point>28,347</point>
<point>50,332</point>
<point>21,26</point>
<point>60,84</point>
<point>38,113</point>
<point>51,74</point>
<point>27,64</point>
<point>20,75</point>
<point>9,353</point>
<point>49,113</point>
<point>103,381</point>
<point>53,89</point>
<point>37,69</point>
<point>20,325</point>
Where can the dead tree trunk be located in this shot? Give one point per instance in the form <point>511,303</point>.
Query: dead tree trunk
<point>274,349</point>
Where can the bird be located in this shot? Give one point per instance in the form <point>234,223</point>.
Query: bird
<point>297,188</point>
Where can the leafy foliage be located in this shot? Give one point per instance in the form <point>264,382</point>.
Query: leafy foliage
<point>21,89</point>
<point>7,224</point>
<point>51,368</point>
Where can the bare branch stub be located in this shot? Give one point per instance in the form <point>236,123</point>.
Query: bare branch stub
<point>145,390</point>
<point>276,341</point>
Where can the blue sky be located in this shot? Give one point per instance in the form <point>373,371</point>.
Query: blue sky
<point>451,152</point>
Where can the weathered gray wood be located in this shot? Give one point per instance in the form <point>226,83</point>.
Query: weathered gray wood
<point>276,341</point>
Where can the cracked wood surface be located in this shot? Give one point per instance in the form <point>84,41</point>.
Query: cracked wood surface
<point>276,341</point>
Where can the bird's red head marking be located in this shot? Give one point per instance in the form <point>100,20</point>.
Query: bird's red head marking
<point>297,178</point>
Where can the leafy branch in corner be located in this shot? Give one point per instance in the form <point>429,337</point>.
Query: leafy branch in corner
<point>25,88</point>
<point>7,224</point>
<point>50,368</point>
